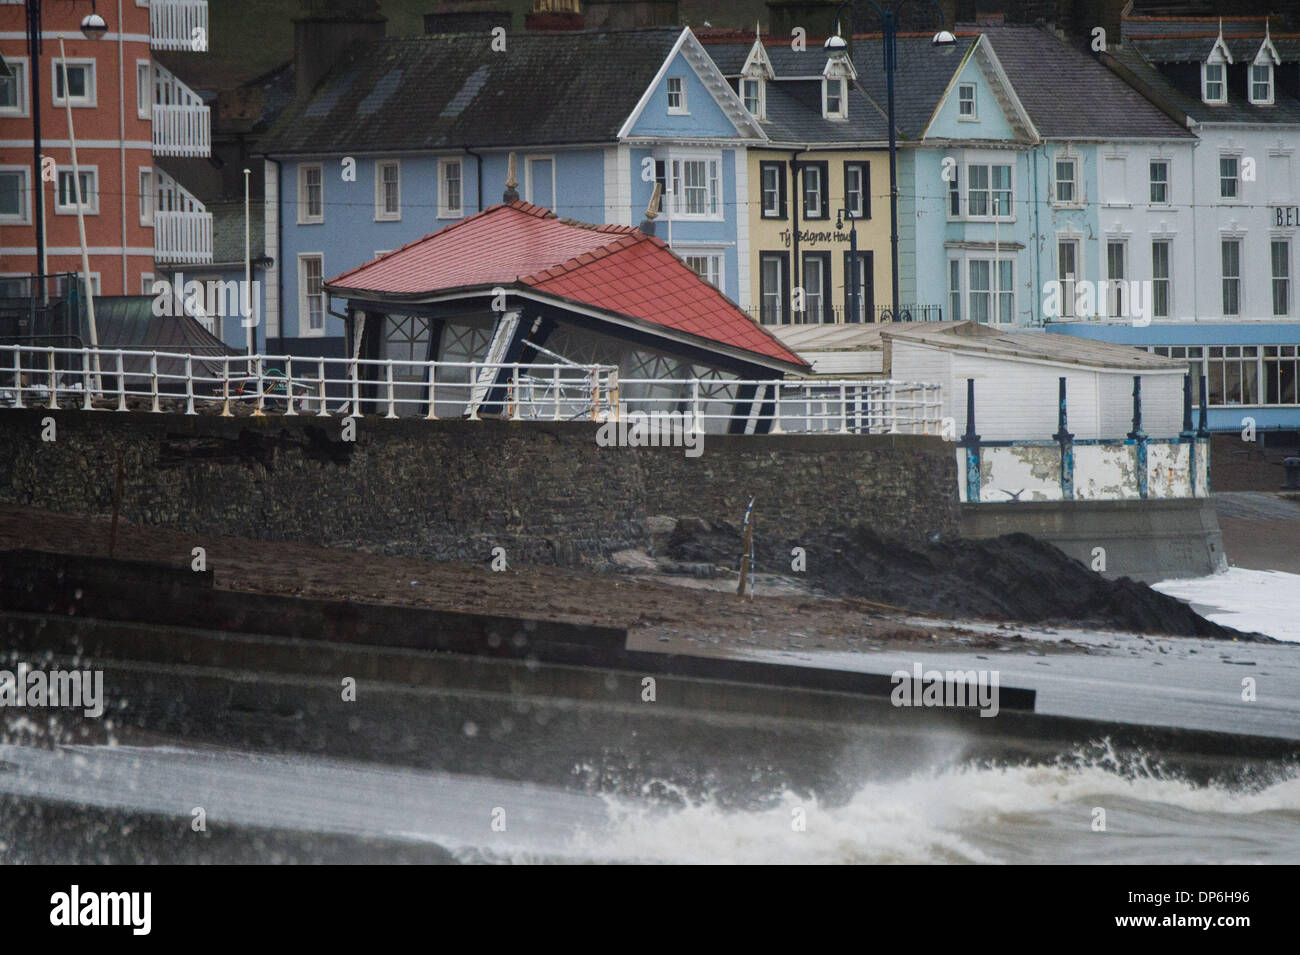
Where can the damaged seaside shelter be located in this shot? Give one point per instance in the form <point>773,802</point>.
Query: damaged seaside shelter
<point>516,284</point>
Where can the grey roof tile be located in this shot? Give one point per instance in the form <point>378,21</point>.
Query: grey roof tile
<point>449,91</point>
<point>1179,84</point>
<point>1069,94</point>
<point>922,77</point>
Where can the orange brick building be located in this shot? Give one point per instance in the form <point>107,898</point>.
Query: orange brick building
<point>127,109</point>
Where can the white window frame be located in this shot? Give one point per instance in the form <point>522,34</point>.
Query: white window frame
<point>90,208</point>
<point>761,112</point>
<point>1236,156</point>
<point>964,179</point>
<point>445,210</point>
<point>962,101</point>
<point>717,254</point>
<point>679,92</point>
<point>994,290</point>
<point>1238,278</point>
<point>862,167</point>
<point>1215,63</point>
<point>672,175</point>
<point>1069,296</point>
<point>1121,306</point>
<point>304,215</point>
<point>1288,278</point>
<point>843,111</point>
<point>147,198</point>
<point>529,161</point>
<point>1075,200</point>
<point>382,213</point>
<point>25,217</point>
<point>144,104</point>
<point>1171,288</point>
<point>304,310</point>
<point>1168,181</point>
<point>146,283</point>
<point>19,68</point>
<point>1250,83</point>
<point>91,98</point>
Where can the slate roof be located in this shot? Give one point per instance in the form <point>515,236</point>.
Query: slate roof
<point>616,269</point>
<point>794,100</point>
<point>1077,97</point>
<point>449,91</point>
<point>228,231</point>
<point>1180,87</point>
<point>922,77</point>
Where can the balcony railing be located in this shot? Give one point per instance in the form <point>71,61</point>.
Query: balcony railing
<point>182,237</point>
<point>182,131</point>
<point>182,124</point>
<point>839,315</point>
<point>179,25</point>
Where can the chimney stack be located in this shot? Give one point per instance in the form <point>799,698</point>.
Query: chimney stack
<point>629,14</point>
<point>325,31</point>
<point>549,16</point>
<point>467,16</point>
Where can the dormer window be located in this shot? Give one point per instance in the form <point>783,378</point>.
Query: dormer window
<point>1261,84</point>
<point>753,92</point>
<point>835,83</point>
<point>1214,85</point>
<point>833,98</point>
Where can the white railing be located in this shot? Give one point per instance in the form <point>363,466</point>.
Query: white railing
<point>179,382</point>
<point>812,406</point>
<point>179,25</point>
<point>182,237</point>
<point>182,131</point>
<point>182,124</point>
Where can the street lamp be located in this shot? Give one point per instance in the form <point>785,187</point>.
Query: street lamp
<point>840,216</point>
<point>93,27</point>
<point>944,42</point>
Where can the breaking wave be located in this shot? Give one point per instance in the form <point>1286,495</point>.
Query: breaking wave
<point>969,814</point>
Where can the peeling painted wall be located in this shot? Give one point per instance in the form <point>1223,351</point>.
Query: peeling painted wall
<point>1102,472</point>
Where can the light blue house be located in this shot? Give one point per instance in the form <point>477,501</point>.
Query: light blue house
<point>1002,216</point>
<point>406,136</point>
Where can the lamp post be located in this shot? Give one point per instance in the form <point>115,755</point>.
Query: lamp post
<point>944,42</point>
<point>840,216</point>
<point>93,27</point>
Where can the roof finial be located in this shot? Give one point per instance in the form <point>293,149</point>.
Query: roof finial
<point>512,182</point>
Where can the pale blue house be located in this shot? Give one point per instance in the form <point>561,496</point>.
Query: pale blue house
<point>406,136</point>
<point>1002,216</point>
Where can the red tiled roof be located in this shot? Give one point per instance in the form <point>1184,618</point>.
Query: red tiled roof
<point>613,268</point>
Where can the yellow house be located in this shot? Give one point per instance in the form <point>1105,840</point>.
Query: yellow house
<point>817,188</point>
